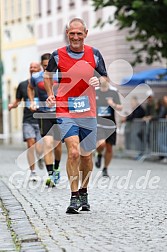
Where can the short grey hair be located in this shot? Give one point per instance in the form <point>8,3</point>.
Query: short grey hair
<point>80,20</point>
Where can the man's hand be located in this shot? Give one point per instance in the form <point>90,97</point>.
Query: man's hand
<point>13,105</point>
<point>51,101</point>
<point>111,102</point>
<point>94,81</point>
<point>33,106</point>
<point>10,106</point>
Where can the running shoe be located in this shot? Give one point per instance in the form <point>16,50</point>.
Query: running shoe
<point>33,176</point>
<point>75,205</point>
<point>41,163</point>
<point>98,160</point>
<point>50,181</point>
<point>84,202</point>
<point>56,174</point>
<point>105,172</point>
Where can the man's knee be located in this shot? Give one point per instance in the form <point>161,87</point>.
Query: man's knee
<point>73,154</point>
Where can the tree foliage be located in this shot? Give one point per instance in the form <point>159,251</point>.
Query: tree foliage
<point>147,24</point>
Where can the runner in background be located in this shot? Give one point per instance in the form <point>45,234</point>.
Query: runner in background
<point>30,126</point>
<point>47,123</point>
<point>107,101</point>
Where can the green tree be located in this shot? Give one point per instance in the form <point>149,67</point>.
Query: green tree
<point>147,23</point>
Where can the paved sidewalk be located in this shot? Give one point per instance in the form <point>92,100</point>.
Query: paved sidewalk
<point>128,211</point>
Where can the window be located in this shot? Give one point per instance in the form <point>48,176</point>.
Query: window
<point>49,29</point>
<point>12,11</point>
<point>6,12</point>
<point>7,34</point>
<point>40,31</point>
<point>59,26</point>
<point>39,8</point>
<point>48,7</point>
<point>59,6</point>
<point>19,10</point>
<point>28,9</point>
<point>71,4</point>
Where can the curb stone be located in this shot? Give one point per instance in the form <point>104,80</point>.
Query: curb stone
<point>6,241</point>
<point>25,237</point>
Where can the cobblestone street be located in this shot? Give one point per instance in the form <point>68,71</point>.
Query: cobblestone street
<point>128,211</point>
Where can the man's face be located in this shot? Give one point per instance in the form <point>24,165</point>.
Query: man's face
<point>34,67</point>
<point>76,35</point>
<point>44,64</point>
<point>165,100</point>
<point>104,86</point>
<point>150,99</point>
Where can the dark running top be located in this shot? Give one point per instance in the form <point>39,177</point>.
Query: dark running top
<point>103,109</point>
<point>21,93</point>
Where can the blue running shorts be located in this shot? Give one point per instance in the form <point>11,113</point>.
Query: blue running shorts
<point>85,128</point>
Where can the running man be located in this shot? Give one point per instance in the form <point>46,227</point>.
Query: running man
<point>107,101</point>
<point>80,69</point>
<point>47,123</point>
<point>30,127</point>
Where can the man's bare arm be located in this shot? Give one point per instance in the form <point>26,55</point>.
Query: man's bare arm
<point>15,104</point>
<point>31,95</point>
<point>114,105</point>
<point>30,92</point>
<point>48,84</point>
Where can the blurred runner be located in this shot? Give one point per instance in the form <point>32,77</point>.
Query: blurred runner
<point>31,132</point>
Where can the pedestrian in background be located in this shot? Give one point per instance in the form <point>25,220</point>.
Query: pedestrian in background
<point>134,129</point>
<point>162,113</point>
<point>150,106</point>
<point>80,67</point>
<point>47,123</point>
<point>137,110</point>
<point>160,126</point>
<point>107,102</point>
<point>30,127</point>
<point>150,113</point>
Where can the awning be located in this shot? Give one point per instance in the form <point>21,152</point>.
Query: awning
<point>157,76</point>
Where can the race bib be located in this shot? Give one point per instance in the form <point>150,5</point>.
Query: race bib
<point>78,104</point>
<point>104,111</point>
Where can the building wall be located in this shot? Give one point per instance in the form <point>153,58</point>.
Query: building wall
<point>33,27</point>
<point>50,31</point>
<point>18,50</point>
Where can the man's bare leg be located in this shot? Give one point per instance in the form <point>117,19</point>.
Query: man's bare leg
<point>73,159</point>
<point>86,167</point>
<point>31,153</point>
<point>72,167</point>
